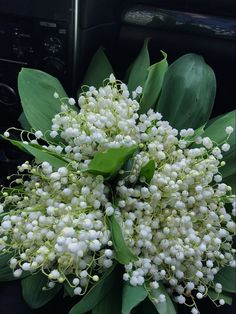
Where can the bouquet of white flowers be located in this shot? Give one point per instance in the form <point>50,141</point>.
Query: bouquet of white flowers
<point>128,202</point>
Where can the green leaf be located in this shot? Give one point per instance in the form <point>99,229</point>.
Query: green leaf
<point>148,170</point>
<point>5,270</point>
<point>36,89</point>
<point>68,290</point>
<point>98,70</point>
<point>138,70</point>
<point>209,122</point>
<point>216,129</point>
<point>33,293</point>
<point>131,297</point>
<point>153,84</point>
<point>96,293</point>
<point>145,307</point>
<point>216,132</point>
<point>230,167</point>
<point>166,307</point>
<point>112,300</point>
<point>41,154</point>
<point>217,296</point>
<point>106,304</point>
<point>6,273</point>
<point>226,276</point>
<point>24,122</point>
<point>127,167</point>
<point>123,253</point>
<point>109,162</point>
<point>188,92</point>
<point>231,181</point>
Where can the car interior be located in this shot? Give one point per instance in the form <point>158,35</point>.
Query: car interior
<point>61,36</point>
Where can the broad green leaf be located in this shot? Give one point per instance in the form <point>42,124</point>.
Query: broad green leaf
<point>110,161</point>
<point>217,296</point>
<point>166,307</point>
<point>216,129</point>
<point>145,307</point>
<point>231,181</point>
<point>132,296</point>
<point>123,253</point>
<point>24,122</point>
<point>153,84</point>
<point>138,70</point>
<point>5,270</point>
<point>106,304</point>
<point>96,293</point>
<point>226,276</point>
<point>148,170</point>
<point>33,293</point>
<point>188,92</point>
<point>216,132</point>
<point>41,154</point>
<point>230,167</point>
<point>6,273</point>
<point>36,89</point>
<point>68,290</point>
<point>209,122</point>
<point>112,300</point>
<point>98,70</point>
<point>127,167</point>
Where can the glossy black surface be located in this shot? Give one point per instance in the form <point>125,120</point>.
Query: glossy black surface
<point>188,22</point>
<point>218,7</point>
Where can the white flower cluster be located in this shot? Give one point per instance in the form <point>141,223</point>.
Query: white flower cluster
<point>107,118</point>
<point>174,221</point>
<point>177,223</point>
<point>56,225</point>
